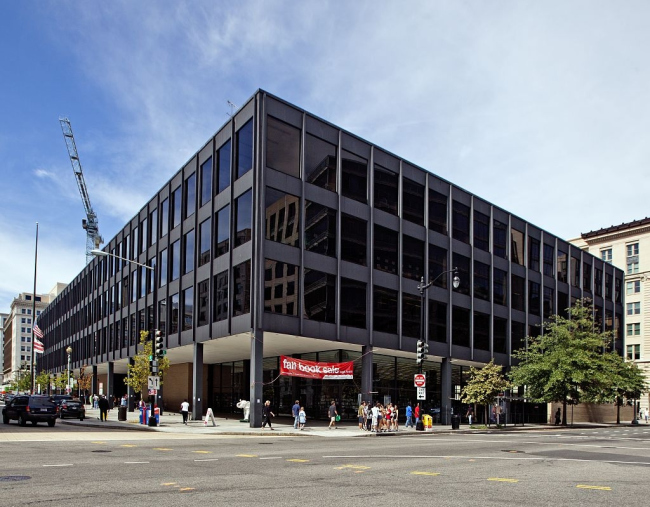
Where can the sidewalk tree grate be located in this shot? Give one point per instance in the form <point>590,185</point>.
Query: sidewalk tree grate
<point>14,478</point>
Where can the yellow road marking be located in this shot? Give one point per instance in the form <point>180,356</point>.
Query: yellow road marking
<point>186,489</point>
<point>97,442</point>
<point>472,460</point>
<point>168,483</point>
<point>203,452</point>
<point>162,449</point>
<point>499,479</point>
<point>247,455</point>
<point>359,471</point>
<point>128,445</point>
<point>425,473</point>
<point>359,467</point>
<point>600,488</point>
<point>298,460</point>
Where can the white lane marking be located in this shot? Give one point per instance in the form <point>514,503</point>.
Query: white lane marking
<point>207,459</point>
<point>135,462</point>
<point>497,458</point>
<point>563,444</point>
<point>61,465</point>
<point>274,457</point>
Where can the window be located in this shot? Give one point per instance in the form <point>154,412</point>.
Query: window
<point>176,259</point>
<point>598,282</point>
<point>206,181</point>
<point>562,271</point>
<point>633,352</point>
<point>204,242</point>
<point>606,255</point>
<point>608,285</point>
<point>481,331</point>
<point>586,277</point>
<point>517,246</point>
<point>144,235</point>
<point>222,234</point>
<point>282,147</point>
<point>220,310</point>
<point>282,217</point>
<point>385,310</point>
<point>412,258</point>
<point>413,201</point>
<point>164,217</point>
<point>481,281</point>
<point>320,296</point>
<point>575,271</point>
<point>203,303</point>
<point>500,238</point>
<point>533,297</point>
<point>518,293</point>
<point>563,304</point>
<point>410,315</point>
<point>481,231</point>
<point>533,254</point>
<point>320,229</point>
<point>283,280</point>
<point>460,326</point>
<point>386,190</point>
<point>243,218</point>
<point>437,265</point>
<point>223,166</point>
<point>549,302</point>
<point>460,221</point>
<point>632,249</point>
<point>500,335</point>
<point>500,287</point>
<point>385,249</point>
<point>320,163</point>
<point>354,176</point>
<point>438,212</point>
<point>244,138</point>
<point>437,321</point>
<point>353,303</point>
<point>163,268</point>
<point>633,329</point>
<point>549,265</point>
<point>242,289</point>
<point>632,267</point>
<point>188,241</point>
<point>633,287</point>
<point>190,195</point>
<point>633,308</point>
<point>354,240</point>
<point>188,309</point>
<point>617,290</point>
<point>173,306</point>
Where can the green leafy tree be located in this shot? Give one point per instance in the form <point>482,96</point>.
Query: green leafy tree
<point>61,380</point>
<point>23,381</point>
<point>42,380</point>
<point>138,372</point>
<point>566,364</point>
<point>484,386</point>
<point>84,380</point>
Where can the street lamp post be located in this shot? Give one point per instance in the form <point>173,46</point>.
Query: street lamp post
<point>69,352</point>
<point>154,288</point>
<point>424,340</point>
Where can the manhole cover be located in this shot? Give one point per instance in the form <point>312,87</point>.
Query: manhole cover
<point>512,451</point>
<point>10,478</point>
<point>100,450</point>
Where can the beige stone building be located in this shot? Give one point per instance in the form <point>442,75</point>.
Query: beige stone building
<point>627,246</point>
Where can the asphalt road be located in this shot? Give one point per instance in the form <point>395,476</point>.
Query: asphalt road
<point>76,466</point>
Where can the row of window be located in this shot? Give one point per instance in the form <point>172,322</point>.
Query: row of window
<point>632,262</point>
<point>633,352</point>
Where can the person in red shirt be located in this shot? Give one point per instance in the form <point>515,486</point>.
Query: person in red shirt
<point>416,412</point>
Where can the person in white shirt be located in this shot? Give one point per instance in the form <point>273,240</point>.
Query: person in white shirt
<point>185,408</point>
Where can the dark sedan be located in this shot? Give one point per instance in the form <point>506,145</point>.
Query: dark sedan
<point>72,408</point>
<point>34,409</point>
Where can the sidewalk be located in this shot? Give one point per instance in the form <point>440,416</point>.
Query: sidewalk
<point>283,426</point>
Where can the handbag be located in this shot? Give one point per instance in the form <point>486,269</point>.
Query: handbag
<point>337,418</point>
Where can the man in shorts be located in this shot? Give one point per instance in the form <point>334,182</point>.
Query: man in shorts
<point>332,413</point>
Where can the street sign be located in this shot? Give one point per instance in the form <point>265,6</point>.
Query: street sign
<point>420,380</point>
<point>153,382</point>
<point>422,393</point>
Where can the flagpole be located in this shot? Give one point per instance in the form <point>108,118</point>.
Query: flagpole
<point>34,314</point>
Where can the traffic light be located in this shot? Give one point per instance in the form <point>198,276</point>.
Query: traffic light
<point>422,349</point>
<point>159,345</point>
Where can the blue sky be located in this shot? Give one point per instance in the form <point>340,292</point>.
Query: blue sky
<point>497,97</point>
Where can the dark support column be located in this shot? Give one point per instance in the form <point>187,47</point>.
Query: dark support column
<point>94,384</point>
<point>445,391</point>
<point>197,382</point>
<point>110,382</point>
<point>366,373</point>
<point>129,392</point>
<point>256,379</point>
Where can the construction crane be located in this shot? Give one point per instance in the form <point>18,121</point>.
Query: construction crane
<point>90,223</point>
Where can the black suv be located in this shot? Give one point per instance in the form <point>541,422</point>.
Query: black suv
<point>34,409</point>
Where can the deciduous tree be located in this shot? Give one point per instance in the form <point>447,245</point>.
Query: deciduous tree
<point>138,372</point>
<point>484,386</point>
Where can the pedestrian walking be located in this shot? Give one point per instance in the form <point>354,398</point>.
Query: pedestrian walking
<point>185,409</point>
<point>409,416</point>
<point>123,401</point>
<point>333,414</point>
<point>470,414</point>
<point>103,408</point>
<point>95,402</point>
<point>558,417</point>
<point>417,413</point>
<point>361,415</point>
<point>647,414</point>
<point>268,414</point>
<point>302,418</point>
<point>295,411</point>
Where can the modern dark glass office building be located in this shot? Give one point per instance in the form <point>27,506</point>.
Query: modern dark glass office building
<point>286,235</point>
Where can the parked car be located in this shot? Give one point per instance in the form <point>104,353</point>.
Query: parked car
<point>34,409</point>
<point>72,408</point>
<point>58,398</point>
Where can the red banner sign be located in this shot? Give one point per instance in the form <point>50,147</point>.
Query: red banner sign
<point>311,369</point>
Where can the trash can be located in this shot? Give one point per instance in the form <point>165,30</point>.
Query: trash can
<point>427,421</point>
<point>455,422</point>
<point>121,413</point>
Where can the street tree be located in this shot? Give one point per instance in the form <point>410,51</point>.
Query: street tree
<point>565,364</point>
<point>42,380</point>
<point>84,380</point>
<point>484,386</point>
<point>138,372</point>
<point>22,382</point>
<point>61,380</point>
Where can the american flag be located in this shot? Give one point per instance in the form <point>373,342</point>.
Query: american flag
<point>37,331</point>
<point>39,348</point>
